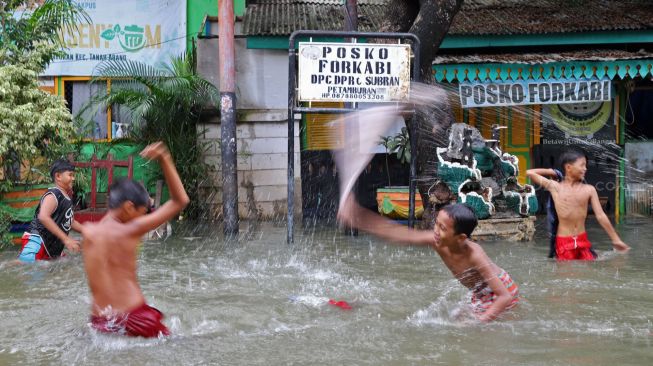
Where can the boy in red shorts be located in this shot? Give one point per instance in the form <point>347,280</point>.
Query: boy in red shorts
<point>571,198</point>
<point>110,248</point>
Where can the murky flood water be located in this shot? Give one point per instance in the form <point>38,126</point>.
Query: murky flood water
<point>259,301</point>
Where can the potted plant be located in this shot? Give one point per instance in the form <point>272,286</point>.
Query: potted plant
<point>393,201</point>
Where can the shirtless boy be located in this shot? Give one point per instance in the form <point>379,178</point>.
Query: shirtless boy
<point>571,198</point>
<point>110,248</point>
<point>493,291</point>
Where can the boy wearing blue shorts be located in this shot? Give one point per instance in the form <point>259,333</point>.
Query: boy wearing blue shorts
<point>48,232</point>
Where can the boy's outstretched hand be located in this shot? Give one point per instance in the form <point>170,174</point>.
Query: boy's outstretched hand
<point>155,151</point>
<point>620,246</point>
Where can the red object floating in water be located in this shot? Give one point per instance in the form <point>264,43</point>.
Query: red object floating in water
<point>341,304</point>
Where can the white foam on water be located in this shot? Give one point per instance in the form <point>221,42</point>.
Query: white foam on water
<point>309,300</point>
<point>450,309</point>
<point>207,327</point>
<point>117,342</point>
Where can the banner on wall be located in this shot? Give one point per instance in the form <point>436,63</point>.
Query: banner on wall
<point>564,124</point>
<point>534,92</point>
<point>353,72</point>
<point>149,31</point>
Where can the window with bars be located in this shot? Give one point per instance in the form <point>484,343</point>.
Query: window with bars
<point>95,122</point>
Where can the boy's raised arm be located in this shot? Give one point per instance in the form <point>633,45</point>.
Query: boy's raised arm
<point>178,197</point>
<point>539,176</point>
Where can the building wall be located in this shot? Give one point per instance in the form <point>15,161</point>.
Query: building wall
<point>262,131</point>
<point>262,169</point>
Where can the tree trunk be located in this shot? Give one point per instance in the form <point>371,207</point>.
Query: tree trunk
<point>429,20</point>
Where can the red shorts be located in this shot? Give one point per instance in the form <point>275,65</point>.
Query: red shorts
<point>574,247</point>
<point>144,321</point>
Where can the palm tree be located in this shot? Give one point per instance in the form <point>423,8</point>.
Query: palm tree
<point>164,103</point>
<point>23,30</point>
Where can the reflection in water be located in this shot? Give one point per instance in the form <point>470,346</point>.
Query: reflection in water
<point>260,301</point>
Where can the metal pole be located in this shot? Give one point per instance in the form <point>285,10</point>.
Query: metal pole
<point>291,139</point>
<point>226,57</point>
<point>351,25</point>
<point>413,142</point>
<point>351,17</point>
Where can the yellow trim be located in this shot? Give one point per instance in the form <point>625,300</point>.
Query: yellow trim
<point>537,120</point>
<point>517,149</point>
<point>471,116</point>
<point>75,78</point>
<point>616,113</point>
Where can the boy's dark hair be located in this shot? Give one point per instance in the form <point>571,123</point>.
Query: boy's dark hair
<point>125,189</point>
<point>61,165</point>
<point>569,156</point>
<point>464,219</point>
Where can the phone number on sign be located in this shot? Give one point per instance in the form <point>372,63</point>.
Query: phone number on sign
<point>354,96</point>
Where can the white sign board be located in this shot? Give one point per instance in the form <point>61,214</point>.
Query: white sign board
<point>534,92</point>
<point>353,72</point>
<point>149,31</point>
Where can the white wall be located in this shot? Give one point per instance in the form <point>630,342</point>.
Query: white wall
<point>261,75</point>
<point>262,132</point>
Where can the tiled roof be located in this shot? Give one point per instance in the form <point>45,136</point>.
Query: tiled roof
<point>478,17</point>
<point>282,17</point>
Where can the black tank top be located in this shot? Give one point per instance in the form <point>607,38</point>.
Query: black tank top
<point>62,216</point>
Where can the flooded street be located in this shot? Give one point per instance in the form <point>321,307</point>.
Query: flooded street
<point>259,301</point>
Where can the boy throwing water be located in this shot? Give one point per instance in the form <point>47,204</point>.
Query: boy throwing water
<point>110,248</point>
<point>493,291</point>
<point>571,198</point>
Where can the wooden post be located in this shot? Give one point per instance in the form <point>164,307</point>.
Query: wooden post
<point>109,167</point>
<point>93,181</point>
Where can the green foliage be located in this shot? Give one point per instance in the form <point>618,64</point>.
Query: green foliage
<point>5,225</point>
<point>398,144</point>
<point>33,122</point>
<point>165,104</point>
<point>22,31</point>
<point>28,115</point>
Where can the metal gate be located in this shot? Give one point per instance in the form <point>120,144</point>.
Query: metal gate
<point>293,107</point>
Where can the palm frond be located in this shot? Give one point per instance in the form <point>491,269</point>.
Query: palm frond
<point>58,14</point>
<point>131,71</point>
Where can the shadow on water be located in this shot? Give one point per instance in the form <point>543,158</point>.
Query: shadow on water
<point>257,300</point>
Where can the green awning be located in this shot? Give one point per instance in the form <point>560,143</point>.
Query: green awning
<point>574,65</point>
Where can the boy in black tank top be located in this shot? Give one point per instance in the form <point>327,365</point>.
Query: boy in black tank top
<point>53,219</point>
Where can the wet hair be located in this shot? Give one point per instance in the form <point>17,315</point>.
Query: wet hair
<point>61,165</point>
<point>464,219</point>
<point>125,189</point>
<point>570,156</point>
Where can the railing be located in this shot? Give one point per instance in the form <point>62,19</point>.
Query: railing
<point>639,199</point>
<point>107,164</point>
